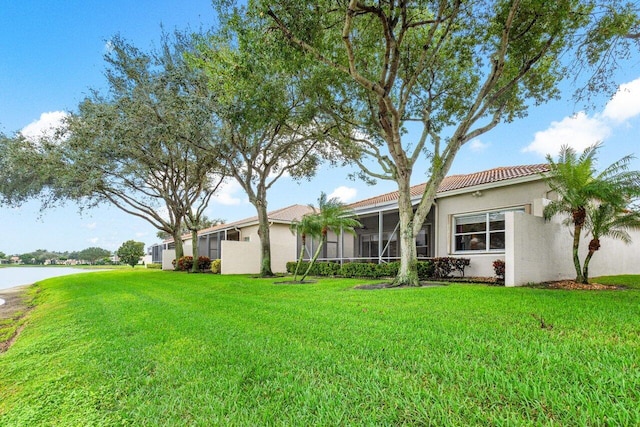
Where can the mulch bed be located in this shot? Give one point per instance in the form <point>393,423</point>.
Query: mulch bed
<point>573,285</point>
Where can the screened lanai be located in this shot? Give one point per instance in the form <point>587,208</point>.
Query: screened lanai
<point>376,241</point>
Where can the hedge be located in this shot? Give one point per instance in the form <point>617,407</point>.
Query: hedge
<point>437,268</point>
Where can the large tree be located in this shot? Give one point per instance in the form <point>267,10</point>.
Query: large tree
<point>134,147</point>
<point>589,198</point>
<point>455,69</point>
<point>268,121</point>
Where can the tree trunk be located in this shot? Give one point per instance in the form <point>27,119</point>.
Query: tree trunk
<point>315,256</point>
<point>301,257</point>
<point>196,254</point>
<point>408,271</point>
<point>177,240</point>
<point>594,245</point>
<point>265,238</point>
<point>577,229</point>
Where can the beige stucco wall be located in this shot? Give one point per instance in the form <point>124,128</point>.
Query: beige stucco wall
<point>240,257</point>
<point>491,199</point>
<point>243,257</point>
<point>283,247</point>
<point>539,251</point>
<point>168,255</point>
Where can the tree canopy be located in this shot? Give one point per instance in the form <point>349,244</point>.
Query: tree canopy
<point>133,147</point>
<point>268,122</point>
<point>451,70</point>
<point>130,252</point>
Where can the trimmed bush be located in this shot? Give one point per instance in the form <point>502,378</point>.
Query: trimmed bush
<point>154,266</point>
<point>444,266</point>
<point>425,270</point>
<point>216,266</point>
<point>184,264</point>
<point>499,268</point>
<point>204,263</point>
<point>438,268</point>
<point>459,264</point>
<point>360,269</point>
<point>318,268</point>
<point>388,269</point>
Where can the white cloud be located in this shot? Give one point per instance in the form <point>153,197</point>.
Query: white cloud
<point>579,131</point>
<point>91,225</point>
<point>477,146</point>
<point>344,194</point>
<point>94,240</point>
<point>44,126</point>
<point>141,234</point>
<point>227,194</point>
<point>625,103</point>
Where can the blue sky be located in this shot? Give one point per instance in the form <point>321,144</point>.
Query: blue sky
<point>51,54</point>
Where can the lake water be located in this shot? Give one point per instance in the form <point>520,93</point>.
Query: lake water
<point>16,276</point>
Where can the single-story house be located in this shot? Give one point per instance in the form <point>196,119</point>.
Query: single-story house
<point>237,243</point>
<point>483,216</point>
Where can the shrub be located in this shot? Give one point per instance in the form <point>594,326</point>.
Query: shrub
<point>185,263</point>
<point>459,264</point>
<point>216,266</point>
<point>499,268</point>
<point>389,269</point>
<point>360,269</point>
<point>425,270</point>
<point>204,263</point>
<point>318,268</point>
<point>442,267</point>
<point>154,266</point>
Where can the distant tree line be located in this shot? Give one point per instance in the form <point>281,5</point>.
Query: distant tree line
<point>92,255</point>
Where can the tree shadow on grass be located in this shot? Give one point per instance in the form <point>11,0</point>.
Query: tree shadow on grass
<point>297,282</point>
<point>393,286</point>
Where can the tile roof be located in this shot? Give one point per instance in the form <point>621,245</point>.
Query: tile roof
<point>285,215</point>
<point>457,182</point>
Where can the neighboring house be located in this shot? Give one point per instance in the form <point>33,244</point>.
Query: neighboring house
<point>237,244</point>
<point>483,216</point>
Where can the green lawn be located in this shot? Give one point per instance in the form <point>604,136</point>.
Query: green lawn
<point>147,347</point>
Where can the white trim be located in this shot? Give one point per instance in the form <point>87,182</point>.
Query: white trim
<point>487,232</point>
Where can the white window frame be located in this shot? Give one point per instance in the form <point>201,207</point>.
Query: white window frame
<point>487,232</point>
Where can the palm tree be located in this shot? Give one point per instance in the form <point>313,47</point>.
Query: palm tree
<point>607,220</point>
<point>578,185</point>
<point>309,225</point>
<point>332,215</point>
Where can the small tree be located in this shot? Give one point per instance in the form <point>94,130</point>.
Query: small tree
<point>606,220</point>
<point>130,252</point>
<point>580,188</point>
<point>309,225</point>
<point>333,215</point>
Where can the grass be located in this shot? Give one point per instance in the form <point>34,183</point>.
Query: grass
<point>628,281</point>
<point>147,347</point>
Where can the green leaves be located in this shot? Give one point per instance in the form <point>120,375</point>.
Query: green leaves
<point>130,252</point>
<point>598,202</point>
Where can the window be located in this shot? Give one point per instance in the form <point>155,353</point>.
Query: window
<point>480,232</point>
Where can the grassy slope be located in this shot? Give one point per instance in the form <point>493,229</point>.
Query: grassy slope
<point>158,348</point>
